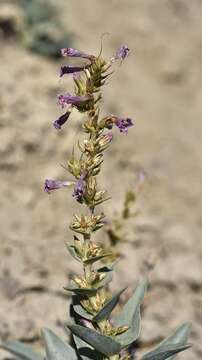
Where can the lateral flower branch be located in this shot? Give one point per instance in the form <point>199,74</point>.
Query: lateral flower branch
<point>97,333</point>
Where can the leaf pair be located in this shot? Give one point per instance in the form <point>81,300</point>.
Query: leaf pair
<point>129,316</point>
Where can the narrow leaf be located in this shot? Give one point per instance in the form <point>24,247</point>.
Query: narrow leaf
<point>96,258</point>
<point>180,335</point>
<point>56,349</point>
<point>22,351</point>
<point>165,352</point>
<point>108,307</point>
<point>178,338</point>
<point>104,344</point>
<point>81,291</point>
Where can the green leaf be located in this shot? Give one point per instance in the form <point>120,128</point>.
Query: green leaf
<point>22,351</point>
<point>165,352</point>
<point>72,252</point>
<point>130,316</point>
<point>129,309</point>
<point>108,267</point>
<point>56,349</point>
<point>181,335</point>
<point>129,336</point>
<point>104,344</point>
<point>86,351</point>
<point>96,258</point>
<point>81,291</point>
<point>105,269</point>
<point>82,312</point>
<point>108,307</point>
<point>178,338</point>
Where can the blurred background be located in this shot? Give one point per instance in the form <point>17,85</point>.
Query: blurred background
<point>160,87</point>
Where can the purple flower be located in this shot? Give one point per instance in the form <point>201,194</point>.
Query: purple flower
<point>61,120</point>
<point>76,53</point>
<point>71,99</point>
<point>71,69</point>
<point>123,124</point>
<point>122,52</point>
<point>50,185</point>
<point>79,188</point>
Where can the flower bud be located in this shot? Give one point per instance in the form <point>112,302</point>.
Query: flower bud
<point>61,120</point>
<point>105,140</point>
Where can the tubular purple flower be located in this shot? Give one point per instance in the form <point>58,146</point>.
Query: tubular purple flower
<point>71,69</point>
<point>61,120</point>
<point>76,53</point>
<point>123,124</point>
<point>50,185</point>
<point>79,188</point>
<point>71,99</point>
<point>122,52</point>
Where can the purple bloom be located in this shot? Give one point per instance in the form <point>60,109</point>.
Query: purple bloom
<point>71,99</point>
<point>76,53</point>
<point>61,120</point>
<point>123,124</point>
<point>71,69</point>
<point>79,188</point>
<point>122,52</point>
<point>50,185</point>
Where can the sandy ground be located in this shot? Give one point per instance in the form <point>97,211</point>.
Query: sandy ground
<point>160,86</point>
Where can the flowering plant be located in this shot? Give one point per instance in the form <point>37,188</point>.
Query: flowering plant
<point>96,332</point>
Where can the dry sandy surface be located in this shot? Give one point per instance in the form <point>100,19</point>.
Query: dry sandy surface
<point>160,86</point>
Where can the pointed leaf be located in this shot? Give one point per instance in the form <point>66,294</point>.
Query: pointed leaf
<point>180,336</point>
<point>130,316</point>
<point>165,352</point>
<point>56,349</point>
<point>72,252</point>
<point>86,351</point>
<point>108,307</point>
<point>126,317</point>
<point>81,291</point>
<point>96,258</point>
<point>24,352</point>
<point>82,312</point>
<point>104,344</point>
<point>129,336</point>
<point>105,269</point>
<point>108,267</point>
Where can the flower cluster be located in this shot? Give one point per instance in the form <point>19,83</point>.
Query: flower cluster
<point>88,80</point>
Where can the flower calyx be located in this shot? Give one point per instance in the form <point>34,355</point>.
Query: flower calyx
<point>86,224</point>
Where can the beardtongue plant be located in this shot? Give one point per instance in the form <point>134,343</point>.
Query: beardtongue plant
<point>97,333</point>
